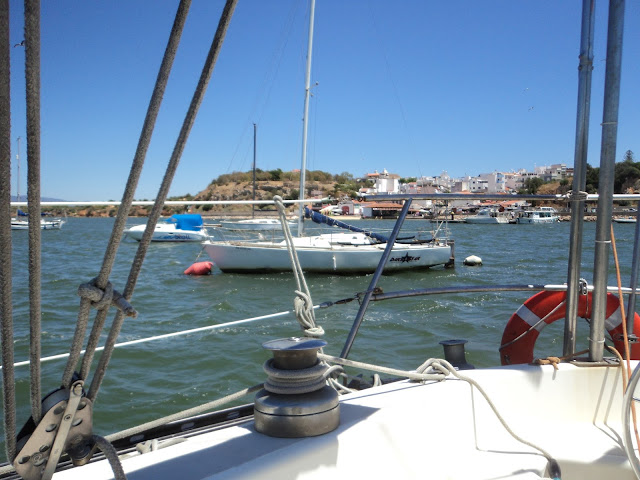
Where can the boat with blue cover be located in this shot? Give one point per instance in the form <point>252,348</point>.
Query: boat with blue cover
<point>177,228</point>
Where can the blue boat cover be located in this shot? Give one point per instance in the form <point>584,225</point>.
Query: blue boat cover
<point>319,218</point>
<point>186,221</point>
<point>42,214</point>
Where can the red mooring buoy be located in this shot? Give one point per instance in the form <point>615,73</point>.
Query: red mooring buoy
<point>199,268</point>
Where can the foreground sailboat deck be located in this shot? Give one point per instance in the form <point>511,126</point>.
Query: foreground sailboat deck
<point>313,417</point>
<point>443,430</point>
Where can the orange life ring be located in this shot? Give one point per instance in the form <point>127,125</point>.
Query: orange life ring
<point>519,338</point>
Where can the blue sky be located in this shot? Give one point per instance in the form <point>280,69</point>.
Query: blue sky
<point>414,86</point>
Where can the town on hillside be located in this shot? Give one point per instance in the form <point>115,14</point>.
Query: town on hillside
<point>522,181</point>
<point>386,183</point>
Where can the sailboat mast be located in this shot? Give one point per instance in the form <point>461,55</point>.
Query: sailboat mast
<point>307,87</point>
<point>18,177</point>
<point>253,205</point>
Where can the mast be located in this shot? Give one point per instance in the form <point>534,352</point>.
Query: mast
<point>307,86</point>
<point>579,174</point>
<point>605,184</point>
<point>253,206</point>
<point>18,177</point>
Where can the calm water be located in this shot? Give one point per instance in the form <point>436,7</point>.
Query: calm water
<point>159,378</point>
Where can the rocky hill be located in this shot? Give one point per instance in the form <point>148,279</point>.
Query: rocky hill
<point>265,190</point>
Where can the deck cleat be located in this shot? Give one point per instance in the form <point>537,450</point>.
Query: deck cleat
<point>454,354</point>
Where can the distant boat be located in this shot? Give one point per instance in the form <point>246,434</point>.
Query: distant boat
<point>45,223</point>
<point>488,216</point>
<point>261,224</point>
<point>540,215</point>
<point>177,228</point>
<point>625,220</point>
<point>51,224</point>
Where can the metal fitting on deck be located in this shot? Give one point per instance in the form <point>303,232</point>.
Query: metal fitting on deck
<point>295,401</point>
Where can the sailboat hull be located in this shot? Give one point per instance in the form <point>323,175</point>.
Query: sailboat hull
<point>318,255</point>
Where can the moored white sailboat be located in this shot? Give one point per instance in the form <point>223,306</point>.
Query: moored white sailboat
<point>324,253</point>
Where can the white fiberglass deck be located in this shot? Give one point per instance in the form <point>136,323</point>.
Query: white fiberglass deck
<point>442,430</point>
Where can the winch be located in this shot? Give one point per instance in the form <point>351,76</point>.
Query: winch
<point>295,400</point>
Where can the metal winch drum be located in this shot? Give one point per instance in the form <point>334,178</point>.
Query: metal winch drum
<point>295,401</point>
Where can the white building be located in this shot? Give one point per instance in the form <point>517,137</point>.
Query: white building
<point>477,184</point>
<point>385,182</point>
<point>444,182</point>
<point>495,182</point>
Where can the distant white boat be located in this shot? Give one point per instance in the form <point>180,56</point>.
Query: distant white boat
<point>177,228</point>
<point>261,224</point>
<point>45,224</point>
<point>488,216</point>
<point>624,220</point>
<point>540,215</point>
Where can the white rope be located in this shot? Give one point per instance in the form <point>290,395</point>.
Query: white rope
<point>438,369</point>
<point>297,381</point>
<point>434,364</point>
<point>170,335</point>
<point>184,414</point>
<point>302,304</point>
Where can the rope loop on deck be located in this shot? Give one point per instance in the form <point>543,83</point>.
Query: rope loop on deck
<point>101,299</point>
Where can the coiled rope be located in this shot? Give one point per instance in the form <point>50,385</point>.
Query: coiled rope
<point>296,382</point>
<point>302,304</point>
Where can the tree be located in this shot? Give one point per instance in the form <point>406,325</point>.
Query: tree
<point>593,177</point>
<point>626,174</point>
<point>531,185</point>
<point>276,175</point>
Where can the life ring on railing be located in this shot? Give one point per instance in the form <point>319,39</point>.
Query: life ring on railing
<point>519,338</point>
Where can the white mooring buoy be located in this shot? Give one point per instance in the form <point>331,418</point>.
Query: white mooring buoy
<point>472,260</point>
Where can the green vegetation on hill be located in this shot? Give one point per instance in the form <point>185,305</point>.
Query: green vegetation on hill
<point>239,186</point>
<point>626,176</point>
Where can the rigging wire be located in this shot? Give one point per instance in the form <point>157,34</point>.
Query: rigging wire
<point>173,334</point>
<point>6,307</point>
<point>394,88</point>
<point>263,95</point>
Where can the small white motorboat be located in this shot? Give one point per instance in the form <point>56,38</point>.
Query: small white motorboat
<point>177,228</point>
<point>488,215</point>
<point>624,219</point>
<point>540,215</point>
<point>45,224</point>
